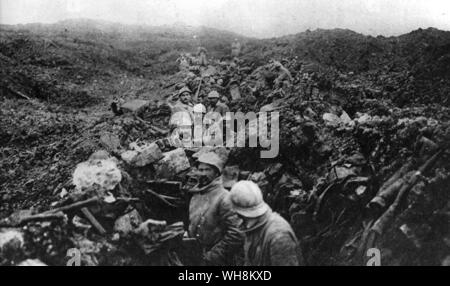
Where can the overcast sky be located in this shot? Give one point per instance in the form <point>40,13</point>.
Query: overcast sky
<point>257,18</point>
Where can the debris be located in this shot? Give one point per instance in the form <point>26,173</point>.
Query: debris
<point>102,173</point>
<point>134,106</point>
<point>127,223</point>
<point>129,156</point>
<point>380,225</point>
<point>11,240</point>
<point>149,154</point>
<point>63,193</point>
<point>74,206</point>
<point>110,142</point>
<point>152,234</point>
<point>89,250</point>
<point>331,119</point>
<point>172,164</point>
<point>15,221</point>
<point>345,118</point>
<point>93,220</point>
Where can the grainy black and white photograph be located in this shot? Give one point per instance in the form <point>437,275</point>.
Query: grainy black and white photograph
<point>224,133</point>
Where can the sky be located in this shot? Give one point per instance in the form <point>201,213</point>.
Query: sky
<point>254,18</point>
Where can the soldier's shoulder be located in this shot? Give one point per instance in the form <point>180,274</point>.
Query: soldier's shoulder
<point>279,226</point>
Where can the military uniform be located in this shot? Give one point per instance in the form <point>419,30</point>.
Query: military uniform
<point>220,108</point>
<point>214,224</point>
<point>272,242</point>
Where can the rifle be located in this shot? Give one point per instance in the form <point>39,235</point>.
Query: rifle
<point>198,90</point>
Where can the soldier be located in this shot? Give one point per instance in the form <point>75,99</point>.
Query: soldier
<point>235,49</point>
<point>182,114</point>
<point>234,89</point>
<point>284,78</point>
<point>202,56</point>
<point>211,219</point>
<point>269,239</point>
<point>214,104</point>
<point>184,103</point>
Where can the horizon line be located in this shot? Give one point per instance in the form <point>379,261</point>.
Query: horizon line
<point>182,24</point>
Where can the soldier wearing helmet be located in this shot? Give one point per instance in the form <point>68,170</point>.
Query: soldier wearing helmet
<point>269,239</point>
<point>182,118</point>
<point>211,219</point>
<point>235,48</point>
<point>214,104</point>
<point>202,54</point>
<point>182,112</point>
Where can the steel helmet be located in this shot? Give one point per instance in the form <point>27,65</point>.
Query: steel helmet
<point>199,108</point>
<point>212,159</point>
<point>247,199</point>
<point>213,94</point>
<point>183,90</point>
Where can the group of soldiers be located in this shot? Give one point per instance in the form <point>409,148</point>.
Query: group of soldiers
<point>233,227</point>
<point>237,227</point>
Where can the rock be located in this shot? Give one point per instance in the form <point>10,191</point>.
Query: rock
<point>88,249</point>
<point>360,190</point>
<point>273,169</point>
<point>173,163</point>
<point>127,223</point>
<point>110,142</point>
<point>32,262</point>
<point>129,157</point>
<point>152,234</point>
<point>345,118</point>
<point>309,113</point>
<point>104,174</point>
<point>63,193</point>
<point>149,227</point>
<point>364,118</point>
<point>235,93</point>
<point>11,243</point>
<point>331,119</point>
<point>149,155</point>
<point>357,159</point>
<point>210,71</point>
<point>340,172</point>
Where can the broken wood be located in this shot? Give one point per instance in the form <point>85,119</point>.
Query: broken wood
<point>156,130</point>
<point>18,93</point>
<point>93,220</point>
<point>160,130</point>
<point>163,198</point>
<point>74,206</point>
<point>381,224</point>
<point>26,219</point>
<point>171,183</point>
<point>127,200</point>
